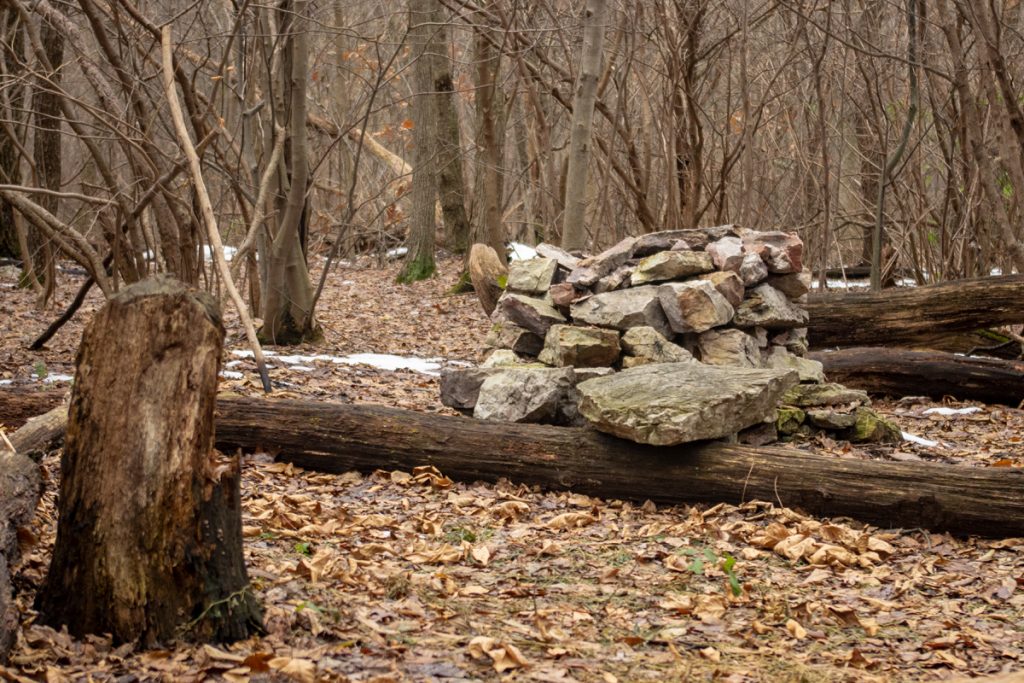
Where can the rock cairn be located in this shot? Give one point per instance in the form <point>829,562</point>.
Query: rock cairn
<point>669,337</point>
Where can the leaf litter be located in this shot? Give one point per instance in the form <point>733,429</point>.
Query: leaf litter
<point>409,576</point>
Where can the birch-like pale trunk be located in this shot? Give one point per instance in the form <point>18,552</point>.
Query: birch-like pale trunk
<point>574,233</point>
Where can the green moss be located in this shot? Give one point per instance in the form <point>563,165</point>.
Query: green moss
<point>464,285</point>
<point>789,419</point>
<point>419,268</point>
<point>872,428</point>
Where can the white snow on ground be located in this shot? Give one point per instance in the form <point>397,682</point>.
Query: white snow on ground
<point>231,374</point>
<point>520,252</point>
<point>946,412</point>
<point>382,361</point>
<point>919,440</point>
<point>50,379</point>
<point>397,252</point>
<point>5,382</point>
<point>843,284</point>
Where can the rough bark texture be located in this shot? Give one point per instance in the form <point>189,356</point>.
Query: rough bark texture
<point>18,405</point>
<point>901,372</point>
<point>574,234</point>
<point>166,561</point>
<point>20,488</point>
<point>337,438</point>
<point>903,316</point>
<point>426,49</point>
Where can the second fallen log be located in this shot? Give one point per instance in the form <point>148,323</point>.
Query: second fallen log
<point>937,374</point>
<point>902,316</point>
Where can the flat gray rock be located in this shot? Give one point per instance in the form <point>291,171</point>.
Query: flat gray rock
<point>580,346</point>
<point>730,347</point>
<point>523,394</point>
<point>671,265</point>
<point>531,313</point>
<point>694,306</point>
<point>767,307</point>
<point>664,404</point>
<point>649,344</point>
<point>589,271</point>
<point>532,276</point>
<point>622,309</point>
<point>505,334</point>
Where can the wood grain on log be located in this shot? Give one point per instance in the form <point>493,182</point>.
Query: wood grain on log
<point>902,316</point>
<point>18,404</point>
<point>338,438</point>
<point>902,372</point>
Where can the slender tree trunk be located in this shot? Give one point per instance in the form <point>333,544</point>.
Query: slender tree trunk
<point>47,152</point>
<point>451,182</point>
<point>288,307</point>
<point>10,35</point>
<point>489,144</point>
<point>574,232</point>
<point>419,263</point>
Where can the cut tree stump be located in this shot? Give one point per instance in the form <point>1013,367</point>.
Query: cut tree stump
<point>487,272</point>
<point>903,316</point>
<point>902,372</point>
<point>337,438</point>
<point>148,542</point>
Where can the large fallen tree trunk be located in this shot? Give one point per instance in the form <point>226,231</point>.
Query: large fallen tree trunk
<point>18,404</point>
<point>338,438</point>
<point>902,316</point>
<point>902,372</point>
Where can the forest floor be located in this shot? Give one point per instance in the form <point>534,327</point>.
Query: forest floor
<point>408,576</point>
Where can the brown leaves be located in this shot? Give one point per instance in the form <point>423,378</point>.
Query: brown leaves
<point>503,656</point>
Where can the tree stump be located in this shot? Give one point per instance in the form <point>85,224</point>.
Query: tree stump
<point>149,534</point>
<point>487,272</point>
<point>20,487</point>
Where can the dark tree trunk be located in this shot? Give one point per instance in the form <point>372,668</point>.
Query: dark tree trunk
<point>338,438</point>
<point>901,372</point>
<point>149,531</point>
<point>904,316</point>
<point>20,488</point>
<point>10,32</point>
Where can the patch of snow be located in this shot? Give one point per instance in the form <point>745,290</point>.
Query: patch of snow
<point>385,361</point>
<point>229,253</point>
<point>301,368</point>
<point>843,284</point>
<point>946,412</point>
<point>5,382</point>
<point>906,282</point>
<point>247,353</point>
<point>348,282</point>
<point>231,374</point>
<point>397,252</point>
<point>919,440</point>
<point>232,363</point>
<point>50,379</point>
<point>520,252</point>
<point>996,271</point>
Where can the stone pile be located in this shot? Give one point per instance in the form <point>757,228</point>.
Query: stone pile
<point>669,337</point>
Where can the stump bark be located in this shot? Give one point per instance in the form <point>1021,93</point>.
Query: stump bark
<point>20,487</point>
<point>149,529</point>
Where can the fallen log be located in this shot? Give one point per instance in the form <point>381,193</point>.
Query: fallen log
<point>902,372</point>
<point>905,315</point>
<point>338,438</point>
<point>20,488</point>
<point>17,405</point>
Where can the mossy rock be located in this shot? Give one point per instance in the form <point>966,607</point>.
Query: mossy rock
<point>873,428</point>
<point>789,420</point>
